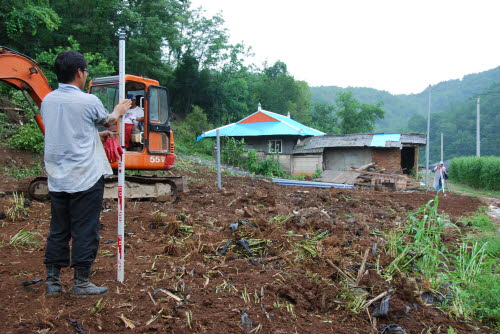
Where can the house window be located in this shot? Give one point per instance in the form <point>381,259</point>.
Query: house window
<point>275,146</point>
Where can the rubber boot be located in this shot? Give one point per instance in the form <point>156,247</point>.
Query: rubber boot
<point>53,286</point>
<point>83,287</point>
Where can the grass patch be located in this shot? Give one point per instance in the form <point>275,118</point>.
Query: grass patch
<point>470,269</point>
<point>22,172</point>
<point>464,189</point>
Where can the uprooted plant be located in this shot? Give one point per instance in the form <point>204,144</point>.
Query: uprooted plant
<point>25,238</point>
<point>16,208</point>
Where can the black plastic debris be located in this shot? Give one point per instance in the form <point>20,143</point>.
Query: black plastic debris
<point>256,261</point>
<point>245,245</point>
<point>246,323</point>
<point>393,329</point>
<point>224,249</point>
<point>2,215</point>
<point>382,311</point>
<point>234,226</point>
<point>374,249</point>
<point>27,202</point>
<point>36,280</point>
<point>432,298</point>
<point>77,326</point>
<point>109,241</point>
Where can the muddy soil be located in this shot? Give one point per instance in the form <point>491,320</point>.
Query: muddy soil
<point>187,271</point>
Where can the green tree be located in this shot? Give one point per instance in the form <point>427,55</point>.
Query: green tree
<point>323,118</point>
<point>356,117</point>
<point>278,92</point>
<point>22,22</point>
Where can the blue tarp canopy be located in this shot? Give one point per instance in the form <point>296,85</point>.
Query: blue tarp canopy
<point>282,126</point>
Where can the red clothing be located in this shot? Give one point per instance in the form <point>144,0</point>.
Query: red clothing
<point>128,134</point>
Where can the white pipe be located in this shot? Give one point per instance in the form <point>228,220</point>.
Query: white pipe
<point>121,165</point>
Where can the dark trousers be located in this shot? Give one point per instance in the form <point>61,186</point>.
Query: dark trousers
<point>75,216</point>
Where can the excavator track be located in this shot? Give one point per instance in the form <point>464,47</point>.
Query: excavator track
<point>162,189</point>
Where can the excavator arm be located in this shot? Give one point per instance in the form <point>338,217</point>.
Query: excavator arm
<point>23,73</point>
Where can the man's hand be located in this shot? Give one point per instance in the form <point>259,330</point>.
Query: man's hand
<point>118,111</point>
<point>122,107</point>
<point>113,150</point>
<point>105,134</point>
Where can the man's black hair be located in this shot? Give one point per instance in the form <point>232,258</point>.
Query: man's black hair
<point>67,65</point>
<point>138,99</point>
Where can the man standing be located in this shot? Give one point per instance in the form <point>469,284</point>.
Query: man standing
<point>76,165</point>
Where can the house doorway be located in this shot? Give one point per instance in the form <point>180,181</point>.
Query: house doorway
<point>408,159</point>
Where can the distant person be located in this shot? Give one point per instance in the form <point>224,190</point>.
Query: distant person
<point>132,118</point>
<point>440,171</point>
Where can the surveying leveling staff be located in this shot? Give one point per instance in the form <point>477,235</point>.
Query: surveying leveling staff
<point>76,164</point>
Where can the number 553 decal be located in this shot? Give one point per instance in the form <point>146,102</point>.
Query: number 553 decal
<point>156,159</point>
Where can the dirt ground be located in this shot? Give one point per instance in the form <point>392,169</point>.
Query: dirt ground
<point>187,271</point>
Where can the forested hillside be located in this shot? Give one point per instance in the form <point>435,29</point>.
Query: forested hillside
<point>401,108</point>
<point>167,40</point>
<point>458,125</point>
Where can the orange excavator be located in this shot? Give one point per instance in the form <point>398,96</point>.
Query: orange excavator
<point>152,145</point>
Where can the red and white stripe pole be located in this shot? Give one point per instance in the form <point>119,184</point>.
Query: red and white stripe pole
<point>121,165</point>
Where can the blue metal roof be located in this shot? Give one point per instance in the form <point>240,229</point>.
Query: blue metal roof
<point>379,140</point>
<point>282,126</point>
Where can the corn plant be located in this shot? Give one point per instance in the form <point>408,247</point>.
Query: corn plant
<point>469,265</point>
<point>98,307</point>
<point>280,220</point>
<point>356,304</point>
<point>308,248</point>
<point>16,208</point>
<point>189,318</point>
<point>25,238</point>
<point>426,225</point>
<point>245,296</point>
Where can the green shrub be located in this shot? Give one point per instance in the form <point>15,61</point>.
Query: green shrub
<point>252,161</point>
<point>232,151</point>
<point>317,174</point>
<point>27,137</point>
<point>185,133</point>
<point>483,172</point>
<point>270,167</point>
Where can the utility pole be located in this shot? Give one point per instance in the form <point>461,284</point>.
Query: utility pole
<point>478,126</point>
<point>442,159</point>
<point>428,140</point>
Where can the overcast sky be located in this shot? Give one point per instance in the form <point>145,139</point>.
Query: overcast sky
<point>400,46</point>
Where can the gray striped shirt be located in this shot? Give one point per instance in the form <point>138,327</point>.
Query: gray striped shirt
<point>74,155</point>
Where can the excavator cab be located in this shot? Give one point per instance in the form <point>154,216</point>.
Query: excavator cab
<point>153,147</point>
<point>152,144</point>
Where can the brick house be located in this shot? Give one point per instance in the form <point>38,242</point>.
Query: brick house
<point>392,152</point>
